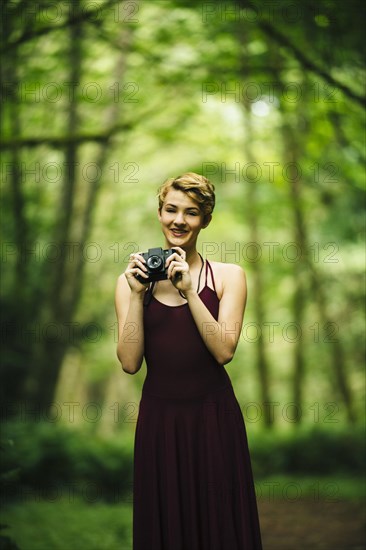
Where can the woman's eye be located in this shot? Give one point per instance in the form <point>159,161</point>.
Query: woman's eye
<point>189,213</point>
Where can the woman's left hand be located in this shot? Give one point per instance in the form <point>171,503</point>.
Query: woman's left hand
<point>178,270</point>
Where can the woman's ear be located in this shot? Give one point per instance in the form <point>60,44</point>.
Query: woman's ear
<point>206,220</point>
<point>159,214</point>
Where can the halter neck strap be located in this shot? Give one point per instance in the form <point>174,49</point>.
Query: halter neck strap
<point>208,267</point>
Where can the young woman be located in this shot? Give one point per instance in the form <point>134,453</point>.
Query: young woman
<point>193,484</point>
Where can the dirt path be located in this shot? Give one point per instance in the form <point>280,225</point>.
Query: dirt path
<point>305,524</point>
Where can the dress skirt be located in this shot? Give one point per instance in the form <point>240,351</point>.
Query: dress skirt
<point>193,483</point>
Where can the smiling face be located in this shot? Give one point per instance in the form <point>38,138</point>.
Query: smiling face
<point>181,219</point>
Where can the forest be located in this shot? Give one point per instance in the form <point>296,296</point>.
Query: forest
<point>102,101</point>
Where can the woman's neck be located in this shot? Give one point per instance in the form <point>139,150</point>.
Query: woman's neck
<point>193,258</point>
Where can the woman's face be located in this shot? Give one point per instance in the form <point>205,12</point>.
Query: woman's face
<point>181,219</point>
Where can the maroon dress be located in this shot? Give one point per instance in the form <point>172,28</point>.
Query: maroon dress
<point>193,484</point>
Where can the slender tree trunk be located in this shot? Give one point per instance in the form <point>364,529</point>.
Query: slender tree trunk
<point>305,267</point>
<point>49,352</point>
<point>299,297</point>
<point>262,363</point>
<point>66,288</point>
<point>337,352</point>
<point>9,76</point>
<point>259,309</point>
<point>115,111</point>
<point>14,318</point>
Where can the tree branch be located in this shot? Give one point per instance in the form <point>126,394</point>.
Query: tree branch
<point>307,63</point>
<point>82,16</point>
<point>62,141</point>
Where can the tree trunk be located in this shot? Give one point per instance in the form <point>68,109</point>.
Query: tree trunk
<point>15,316</point>
<point>258,303</point>
<point>290,146</point>
<point>65,291</point>
<point>299,298</point>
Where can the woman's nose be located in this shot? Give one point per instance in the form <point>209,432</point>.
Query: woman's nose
<point>179,218</point>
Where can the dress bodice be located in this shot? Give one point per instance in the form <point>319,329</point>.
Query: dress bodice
<point>179,364</point>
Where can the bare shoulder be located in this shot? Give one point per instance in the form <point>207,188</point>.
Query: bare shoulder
<point>227,270</point>
<point>227,275</point>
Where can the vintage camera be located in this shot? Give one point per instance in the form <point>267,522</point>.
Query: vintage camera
<point>155,263</point>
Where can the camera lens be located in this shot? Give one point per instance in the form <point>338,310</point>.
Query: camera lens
<point>154,263</point>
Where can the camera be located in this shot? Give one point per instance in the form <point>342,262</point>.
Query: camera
<point>155,262</point>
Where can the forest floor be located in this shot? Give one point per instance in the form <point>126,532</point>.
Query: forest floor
<point>306,524</point>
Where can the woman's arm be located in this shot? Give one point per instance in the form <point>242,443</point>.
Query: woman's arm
<point>221,337</point>
<point>129,298</point>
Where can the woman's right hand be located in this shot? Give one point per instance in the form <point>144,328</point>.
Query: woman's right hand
<point>136,266</point>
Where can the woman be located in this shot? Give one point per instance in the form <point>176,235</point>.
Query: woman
<point>193,485</point>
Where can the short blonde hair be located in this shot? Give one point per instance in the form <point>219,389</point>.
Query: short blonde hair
<point>198,188</point>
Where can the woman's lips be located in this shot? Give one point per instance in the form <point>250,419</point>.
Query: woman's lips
<point>177,233</point>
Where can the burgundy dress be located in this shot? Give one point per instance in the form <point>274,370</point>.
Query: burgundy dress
<point>193,484</point>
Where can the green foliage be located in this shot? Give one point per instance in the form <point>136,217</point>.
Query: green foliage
<point>46,459</point>
<point>35,525</point>
<point>71,523</point>
<point>49,458</point>
<point>309,452</point>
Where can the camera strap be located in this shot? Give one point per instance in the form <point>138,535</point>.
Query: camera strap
<point>199,277</point>
<point>149,292</point>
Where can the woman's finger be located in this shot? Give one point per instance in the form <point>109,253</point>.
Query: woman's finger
<point>176,268</point>
<point>137,260</point>
<point>174,258</point>
<point>134,271</point>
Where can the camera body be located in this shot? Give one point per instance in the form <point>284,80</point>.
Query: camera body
<point>155,262</point>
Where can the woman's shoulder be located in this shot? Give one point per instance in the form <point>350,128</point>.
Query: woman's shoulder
<point>227,269</point>
<point>227,275</point>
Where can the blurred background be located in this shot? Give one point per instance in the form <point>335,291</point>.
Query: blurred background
<point>101,102</point>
